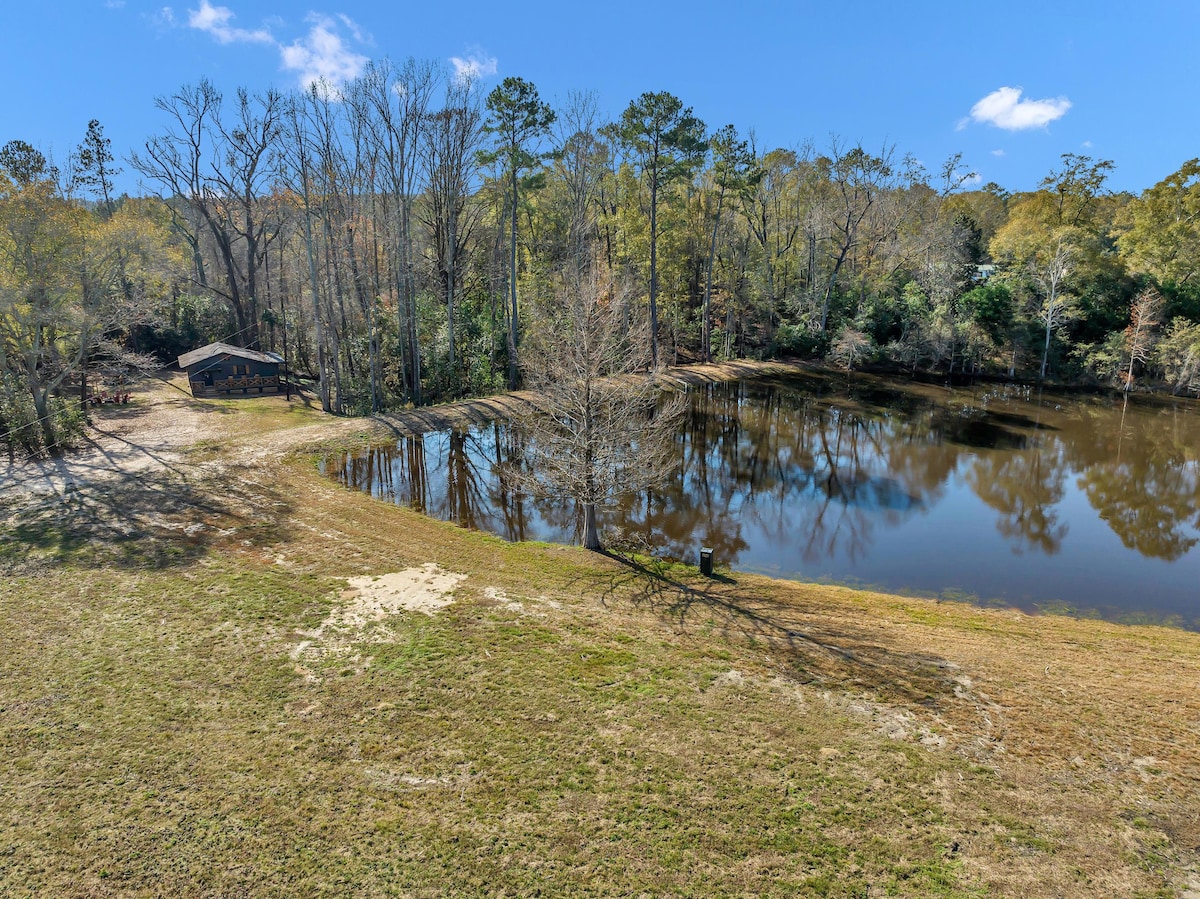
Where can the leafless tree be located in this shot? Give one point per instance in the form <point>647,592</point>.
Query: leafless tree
<point>399,100</point>
<point>603,427</point>
<point>1050,270</point>
<point>218,168</point>
<point>580,158</point>
<point>300,164</point>
<point>451,138</point>
<point>1141,336</point>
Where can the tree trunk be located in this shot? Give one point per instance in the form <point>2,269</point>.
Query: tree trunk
<point>654,270</point>
<point>41,407</point>
<point>1049,326</point>
<point>451,277</point>
<point>513,335</point>
<point>322,374</point>
<point>591,536</point>
<point>706,331</point>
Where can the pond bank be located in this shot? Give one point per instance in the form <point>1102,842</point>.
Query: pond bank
<point>570,723</point>
<point>423,420</point>
<point>850,478</point>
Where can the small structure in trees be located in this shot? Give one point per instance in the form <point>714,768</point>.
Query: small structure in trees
<point>223,370</point>
<point>603,427</point>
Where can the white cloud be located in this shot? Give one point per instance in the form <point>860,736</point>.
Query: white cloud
<point>164,18</point>
<point>114,4</point>
<point>997,152</point>
<point>1087,145</point>
<point>1005,109</point>
<point>215,21</point>
<point>355,31</point>
<point>322,56</point>
<point>476,65</point>
<point>973,179</point>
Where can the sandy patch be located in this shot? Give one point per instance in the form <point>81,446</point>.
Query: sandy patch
<point>374,597</point>
<point>729,678</point>
<point>369,601</point>
<point>520,605</point>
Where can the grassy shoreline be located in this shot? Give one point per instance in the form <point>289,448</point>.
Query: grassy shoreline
<point>571,724</point>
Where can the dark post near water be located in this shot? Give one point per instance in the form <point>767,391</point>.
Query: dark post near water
<point>706,555</point>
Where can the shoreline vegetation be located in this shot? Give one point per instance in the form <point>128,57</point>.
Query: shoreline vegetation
<point>222,674</point>
<point>394,239</point>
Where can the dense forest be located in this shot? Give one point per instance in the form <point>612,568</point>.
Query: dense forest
<point>395,237</point>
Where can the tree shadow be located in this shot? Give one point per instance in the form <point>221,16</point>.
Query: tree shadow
<point>160,517</point>
<point>809,640</point>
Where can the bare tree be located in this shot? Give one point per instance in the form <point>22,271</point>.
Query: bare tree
<point>857,182</point>
<point>1140,337</point>
<point>731,172</point>
<point>218,170</point>
<point>1050,270</point>
<point>300,164</point>
<point>602,430</point>
<point>781,203</point>
<point>579,161</point>
<point>451,138</point>
<point>400,99</point>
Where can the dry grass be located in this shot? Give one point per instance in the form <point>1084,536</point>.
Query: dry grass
<point>572,724</point>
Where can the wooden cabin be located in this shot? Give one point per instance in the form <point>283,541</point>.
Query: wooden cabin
<point>223,370</point>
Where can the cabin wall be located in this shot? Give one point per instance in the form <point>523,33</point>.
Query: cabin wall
<point>224,376</point>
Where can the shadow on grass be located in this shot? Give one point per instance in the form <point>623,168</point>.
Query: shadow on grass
<point>809,639</point>
<point>164,516</point>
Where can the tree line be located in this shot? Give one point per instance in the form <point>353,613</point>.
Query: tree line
<point>396,238</point>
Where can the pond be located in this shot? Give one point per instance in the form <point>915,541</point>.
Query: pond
<point>996,494</point>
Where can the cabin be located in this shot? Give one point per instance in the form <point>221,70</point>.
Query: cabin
<point>223,370</point>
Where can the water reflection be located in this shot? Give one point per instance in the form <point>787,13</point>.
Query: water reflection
<point>1025,488</point>
<point>915,488</point>
<point>1141,477</point>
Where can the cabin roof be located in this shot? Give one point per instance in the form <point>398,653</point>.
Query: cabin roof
<point>216,349</point>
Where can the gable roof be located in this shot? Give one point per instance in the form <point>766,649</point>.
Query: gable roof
<point>216,349</point>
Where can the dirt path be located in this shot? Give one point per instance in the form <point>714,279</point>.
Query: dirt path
<point>155,439</point>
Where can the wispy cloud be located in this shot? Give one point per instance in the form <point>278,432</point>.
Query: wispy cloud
<point>1005,109</point>
<point>323,56</point>
<point>355,31</point>
<point>997,152</point>
<point>164,18</point>
<point>114,4</point>
<point>477,64</point>
<point>215,20</point>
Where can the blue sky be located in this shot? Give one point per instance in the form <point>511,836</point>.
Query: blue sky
<point>1010,86</point>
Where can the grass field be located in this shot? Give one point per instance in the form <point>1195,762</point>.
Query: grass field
<point>190,704</point>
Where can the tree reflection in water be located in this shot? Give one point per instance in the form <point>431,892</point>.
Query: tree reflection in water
<point>1024,487</point>
<point>820,474</point>
<point>1141,477</point>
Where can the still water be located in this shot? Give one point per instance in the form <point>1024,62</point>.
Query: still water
<point>994,494</point>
